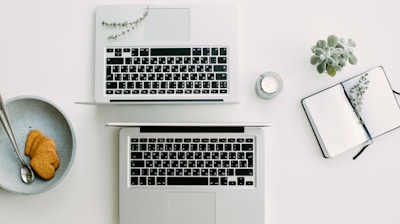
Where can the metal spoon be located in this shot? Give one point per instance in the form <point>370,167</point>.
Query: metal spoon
<point>27,174</point>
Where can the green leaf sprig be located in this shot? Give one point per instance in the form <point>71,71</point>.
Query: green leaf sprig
<point>129,26</point>
<point>356,95</point>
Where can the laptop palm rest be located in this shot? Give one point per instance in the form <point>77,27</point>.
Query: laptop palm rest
<point>191,208</point>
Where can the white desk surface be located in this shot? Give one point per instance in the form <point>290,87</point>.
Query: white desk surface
<point>47,49</point>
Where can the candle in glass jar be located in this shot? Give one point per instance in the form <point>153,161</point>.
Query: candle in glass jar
<point>270,84</point>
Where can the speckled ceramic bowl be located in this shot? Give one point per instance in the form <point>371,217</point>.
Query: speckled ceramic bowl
<point>28,113</point>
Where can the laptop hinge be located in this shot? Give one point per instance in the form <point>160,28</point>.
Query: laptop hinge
<point>192,129</point>
<point>171,100</point>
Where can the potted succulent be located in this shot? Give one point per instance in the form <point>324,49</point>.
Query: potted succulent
<point>332,55</point>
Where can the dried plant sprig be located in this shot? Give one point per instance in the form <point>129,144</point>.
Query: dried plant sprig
<point>357,92</point>
<point>129,25</point>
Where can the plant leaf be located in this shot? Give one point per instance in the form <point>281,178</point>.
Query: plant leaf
<point>333,41</point>
<point>314,59</point>
<point>331,71</point>
<point>321,43</point>
<point>313,48</point>
<point>330,60</point>
<point>353,59</point>
<point>342,63</point>
<point>321,66</point>
<point>345,53</point>
<point>351,43</point>
<point>318,51</point>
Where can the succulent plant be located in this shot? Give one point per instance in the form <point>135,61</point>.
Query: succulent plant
<point>332,55</point>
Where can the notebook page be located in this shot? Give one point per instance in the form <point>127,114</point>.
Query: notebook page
<point>334,122</point>
<point>380,110</point>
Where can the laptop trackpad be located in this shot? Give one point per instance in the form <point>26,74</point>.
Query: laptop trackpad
<point>167,25</point>
<point>191,208</point>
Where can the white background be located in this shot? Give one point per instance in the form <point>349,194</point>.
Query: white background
<point>47,49</point>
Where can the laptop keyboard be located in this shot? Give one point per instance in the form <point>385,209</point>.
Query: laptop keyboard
<point>147,71</point>
<point>192,161</point>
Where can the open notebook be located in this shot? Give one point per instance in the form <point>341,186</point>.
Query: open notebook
<point>339,126</point>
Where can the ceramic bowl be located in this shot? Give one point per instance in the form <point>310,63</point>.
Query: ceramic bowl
<point>28,113</point>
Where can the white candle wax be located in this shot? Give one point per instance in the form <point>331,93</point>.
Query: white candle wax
<point>270,84</point>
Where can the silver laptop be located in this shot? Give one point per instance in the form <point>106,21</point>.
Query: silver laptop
<point>191,173</point>
<point>166,54</point>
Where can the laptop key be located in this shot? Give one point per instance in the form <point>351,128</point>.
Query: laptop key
<point>134,180</point>
<point>151,181</point>
<point>187,181</point>
<point>170,51</point>
<point>142,181</point>
<point>111,85</point>
<point>160,180</point>
<point>244,172</point>
<point>220,68</point>
<point>214,181</point>
<point>115,61</point>
<point>240,181</point>
<point>137,163</point>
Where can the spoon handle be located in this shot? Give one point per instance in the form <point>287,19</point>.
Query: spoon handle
<point>7,125</point>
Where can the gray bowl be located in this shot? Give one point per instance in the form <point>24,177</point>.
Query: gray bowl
<point>28,113</point>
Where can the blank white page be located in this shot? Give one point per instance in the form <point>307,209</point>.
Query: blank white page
<point>335,123</point>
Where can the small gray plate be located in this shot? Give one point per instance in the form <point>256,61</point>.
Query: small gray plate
<point>26,114</point>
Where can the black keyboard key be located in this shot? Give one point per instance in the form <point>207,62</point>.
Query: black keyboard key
<point>135,172</point>
<point>206,51</point>
<point>151,181</point>
<point>224,181</point>
<point>220,68</point>
<point>244,172</point>
<point>115,61</point>
<point>135,52</point>
<point>109,77</point>
<point>247,147</point>
<point>160,180</point>
<point>134,180</point>
<point>221,76</point>
<point>144,52</point>
<point>137,163</point>
<point>222,51</point>
<point>170,51</point>
<point>214,181</point>
<point>187,180</point>
<point>214,51</point>
<point>196,51</point>
<point>240,181</point>
<point>222,60</point>
<point>136,155</point>
<point>111,85</point>
<point>108,70</point>
<point>118,52</point>
<point>142,181</point>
